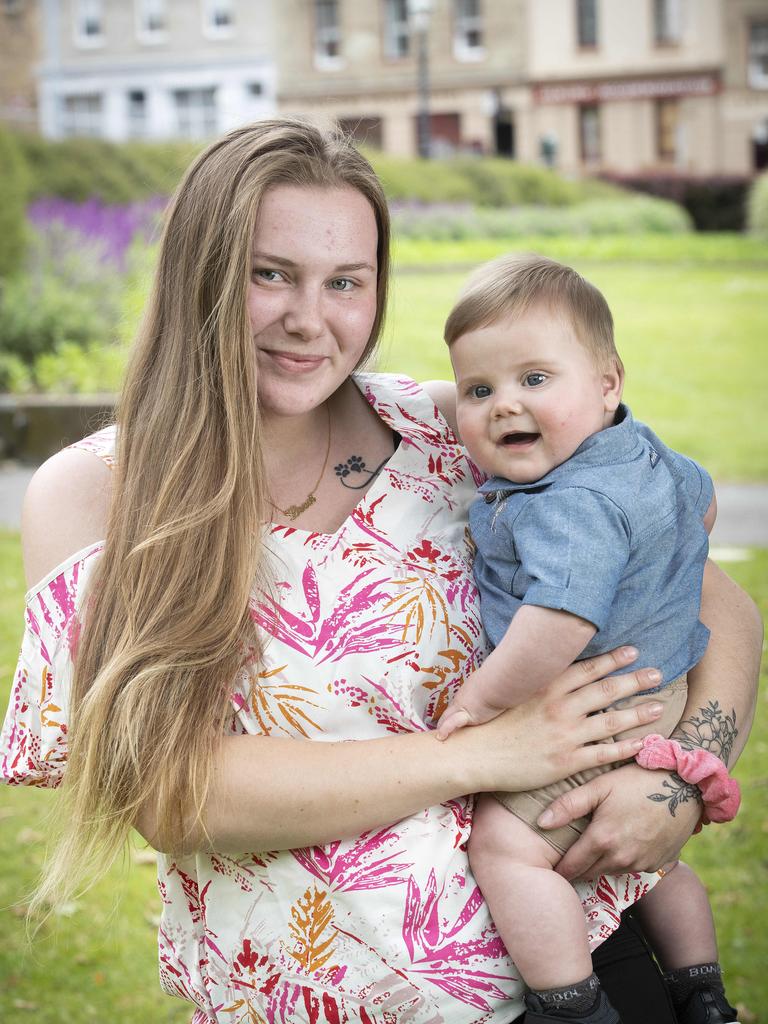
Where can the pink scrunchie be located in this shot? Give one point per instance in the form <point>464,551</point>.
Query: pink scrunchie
<point>719,791</point>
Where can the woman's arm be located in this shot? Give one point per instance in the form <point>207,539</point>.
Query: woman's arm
<point>642,819</point>
<point>272,793</point>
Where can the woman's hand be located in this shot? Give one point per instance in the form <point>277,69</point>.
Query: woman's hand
<point>556,732</point>
<point>641,820</point>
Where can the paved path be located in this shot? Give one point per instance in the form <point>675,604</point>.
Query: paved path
<point>742,519</point>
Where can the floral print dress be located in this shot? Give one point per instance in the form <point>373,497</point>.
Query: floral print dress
<point>371,629</point>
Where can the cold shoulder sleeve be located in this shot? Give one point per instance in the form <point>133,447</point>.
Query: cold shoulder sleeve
<point>33,742</point>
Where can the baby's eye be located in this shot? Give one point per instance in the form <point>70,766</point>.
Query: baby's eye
<point>264,274</point>
<point>480,391</point>
<point>534,380</point>
<point>342,284</point>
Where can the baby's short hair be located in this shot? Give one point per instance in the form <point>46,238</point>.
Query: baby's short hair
<point>512,284</point>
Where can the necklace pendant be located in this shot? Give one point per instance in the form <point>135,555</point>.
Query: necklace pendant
<point>295,510</point>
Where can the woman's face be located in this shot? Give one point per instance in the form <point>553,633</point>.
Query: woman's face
<point>312,294</point>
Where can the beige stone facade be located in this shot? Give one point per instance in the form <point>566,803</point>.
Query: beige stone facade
<point>588,85</point>
<point>154,69</point>
<point>660,86</point>
<point>372,81</point>
<point>19,53</point>
<point>622,86</point>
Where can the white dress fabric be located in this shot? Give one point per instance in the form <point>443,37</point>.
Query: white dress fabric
<point>371,630</point>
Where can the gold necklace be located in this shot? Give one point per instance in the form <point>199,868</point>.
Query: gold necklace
<point>294,511</point>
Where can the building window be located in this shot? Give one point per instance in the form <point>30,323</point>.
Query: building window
<point>81,115</point>
<point>586,23</point>
<point>327,34</point>
<point>589,133</point>
<point>667,130</point>
<point>151,21</point>
<point>758,54</point>
<point>468,30</point>
<point>195,113</point>
<point>397,31</point>
<point>137,114</point>
<point>667,22</point>
<point>218,19</point>
<point>89,23</point>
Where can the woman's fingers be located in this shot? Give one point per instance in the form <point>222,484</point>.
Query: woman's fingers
<point>576,803</point>
<point>580,673</point>
<point>599,727</point>
<point>603,692</point>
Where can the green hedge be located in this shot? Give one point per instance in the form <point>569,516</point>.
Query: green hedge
<point>77,169</point>
<point>15,187</point>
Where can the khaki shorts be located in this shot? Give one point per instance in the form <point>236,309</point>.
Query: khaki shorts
<point>528,806</point>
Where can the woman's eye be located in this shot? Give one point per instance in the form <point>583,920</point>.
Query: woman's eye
<point>342,284</point>
<point>480,391</point>
<point>534,380</point>
<point>266,275</point>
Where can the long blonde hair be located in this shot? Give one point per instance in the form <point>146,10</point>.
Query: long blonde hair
<point>167,626</point>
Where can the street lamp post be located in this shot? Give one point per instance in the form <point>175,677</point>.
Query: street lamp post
<point>419,12</point>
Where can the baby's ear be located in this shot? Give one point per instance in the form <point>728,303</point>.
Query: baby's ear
<point>613,386</point>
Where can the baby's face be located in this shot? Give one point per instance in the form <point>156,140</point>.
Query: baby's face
<point>528,394</point>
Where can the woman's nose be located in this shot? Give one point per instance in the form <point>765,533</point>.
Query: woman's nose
<point>304,316</point>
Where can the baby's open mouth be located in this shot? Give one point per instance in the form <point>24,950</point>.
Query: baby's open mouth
<point>519,437</point>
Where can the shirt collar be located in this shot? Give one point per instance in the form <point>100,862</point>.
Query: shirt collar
<point>616,443</point>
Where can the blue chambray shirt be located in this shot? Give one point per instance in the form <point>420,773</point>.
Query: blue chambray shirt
<point>614,535</point>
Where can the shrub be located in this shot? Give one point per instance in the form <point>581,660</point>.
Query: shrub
<point>68,293</point>
<point>14,176</point>
<point>715,203</point>
<point>482,181</point>
<point>631,215</point>
<point>75,369</point>
<point>421,180</point>
<point>79,169</point>
<point>757,217</point>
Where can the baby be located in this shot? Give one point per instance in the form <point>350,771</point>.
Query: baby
<point>590,533</point>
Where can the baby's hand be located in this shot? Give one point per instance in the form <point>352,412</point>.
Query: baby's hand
<point>467,708</point>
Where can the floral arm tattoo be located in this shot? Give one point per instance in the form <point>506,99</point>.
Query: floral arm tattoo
<point>713,730</point>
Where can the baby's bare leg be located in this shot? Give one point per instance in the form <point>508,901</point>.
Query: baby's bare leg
<point>537,912</point>
<point>677,919</point>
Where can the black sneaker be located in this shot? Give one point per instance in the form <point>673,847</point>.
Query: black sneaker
<point>706,1005</point>
<point>603,1013</point>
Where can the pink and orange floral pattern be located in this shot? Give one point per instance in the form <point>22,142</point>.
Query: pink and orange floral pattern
<point>371,630</point>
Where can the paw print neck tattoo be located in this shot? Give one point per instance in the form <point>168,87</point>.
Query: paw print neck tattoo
<point>354,474</point>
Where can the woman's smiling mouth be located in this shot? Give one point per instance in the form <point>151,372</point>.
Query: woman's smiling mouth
<point>294,362</point>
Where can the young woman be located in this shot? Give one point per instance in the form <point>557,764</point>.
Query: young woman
<point>252,599</point>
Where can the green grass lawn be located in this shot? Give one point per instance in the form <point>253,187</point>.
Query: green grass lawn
<point>97,962</point>
<point>692,331</point>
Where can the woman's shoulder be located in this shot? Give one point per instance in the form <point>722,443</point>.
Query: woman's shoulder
<point>66,505</point>
<point>433,401</point>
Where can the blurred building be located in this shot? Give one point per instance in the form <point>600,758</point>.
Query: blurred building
<point>19,54</point>
<point>649,84</point>
<point>358,63</point>
<point>154,69</point>
<point>625,86</point>
<point>586,85</point>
